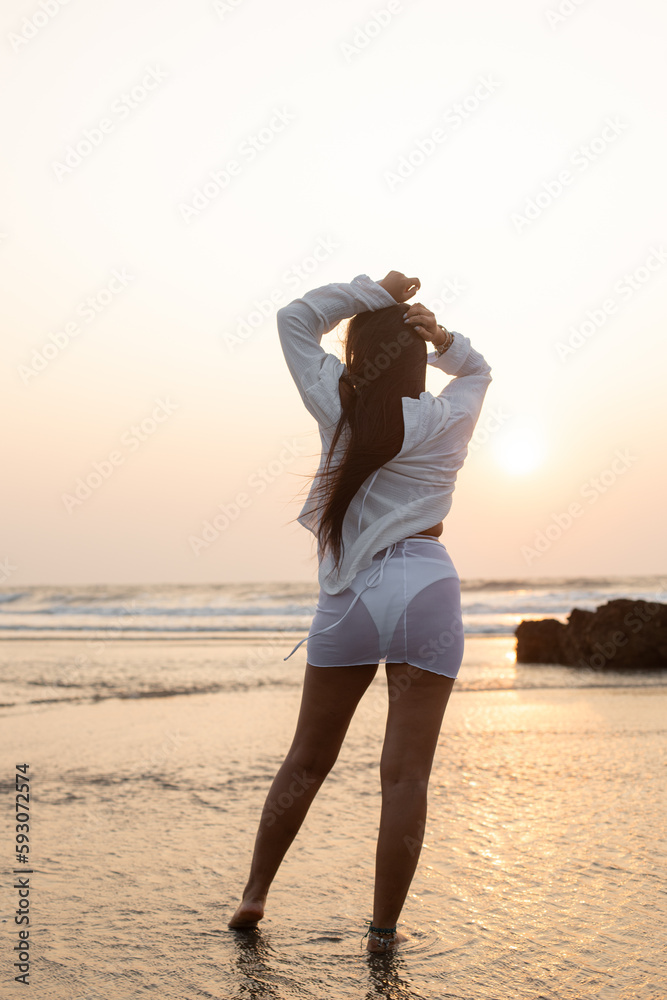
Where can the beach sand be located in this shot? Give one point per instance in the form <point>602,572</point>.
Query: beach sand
<point>542,873</point>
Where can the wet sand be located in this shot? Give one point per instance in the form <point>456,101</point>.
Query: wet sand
<point>542,873</point>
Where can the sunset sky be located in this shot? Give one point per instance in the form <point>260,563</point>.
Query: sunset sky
<point>512,156</point>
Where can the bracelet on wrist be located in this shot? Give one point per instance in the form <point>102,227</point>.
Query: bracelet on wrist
<point>447,343</point>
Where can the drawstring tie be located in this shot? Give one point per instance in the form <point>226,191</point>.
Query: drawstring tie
<point>372,580</point>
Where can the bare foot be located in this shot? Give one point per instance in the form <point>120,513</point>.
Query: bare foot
<point>247,914</point>
<point>384,942</point>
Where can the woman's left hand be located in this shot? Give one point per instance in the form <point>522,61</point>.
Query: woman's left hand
<point>423,322</point>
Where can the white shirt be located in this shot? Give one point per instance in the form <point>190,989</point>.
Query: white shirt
<point>413,491</point>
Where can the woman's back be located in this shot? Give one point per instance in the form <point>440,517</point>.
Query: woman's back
<point>413,490</point>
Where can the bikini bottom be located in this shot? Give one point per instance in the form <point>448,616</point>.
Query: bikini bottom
<point>405,608</point>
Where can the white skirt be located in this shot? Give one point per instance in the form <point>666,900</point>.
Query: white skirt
<point>405,608</point>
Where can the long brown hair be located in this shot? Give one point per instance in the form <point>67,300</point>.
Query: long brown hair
<point>385,360</point>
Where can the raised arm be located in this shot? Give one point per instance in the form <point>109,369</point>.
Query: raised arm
<point>465,392</point>
<point>303,322</point>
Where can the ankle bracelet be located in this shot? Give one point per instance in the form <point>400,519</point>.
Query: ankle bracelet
<point>376,931</point>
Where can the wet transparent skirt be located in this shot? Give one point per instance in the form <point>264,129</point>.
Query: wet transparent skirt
<point>404,608</point>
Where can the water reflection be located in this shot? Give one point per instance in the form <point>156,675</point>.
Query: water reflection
<point>252,954</point>
<point>385,976</point>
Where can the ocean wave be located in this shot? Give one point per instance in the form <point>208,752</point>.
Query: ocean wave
<point>71,631</point>
<point>490,607</point>
<point>9,598</point>
<point>159,611</point>
<point>583,583</point>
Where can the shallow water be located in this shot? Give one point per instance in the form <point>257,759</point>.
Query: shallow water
<point>57,671</point>
<point>542,874</point>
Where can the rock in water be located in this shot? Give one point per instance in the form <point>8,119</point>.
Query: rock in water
<point>619,635</point>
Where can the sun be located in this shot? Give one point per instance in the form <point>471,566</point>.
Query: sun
<point>521,449</point>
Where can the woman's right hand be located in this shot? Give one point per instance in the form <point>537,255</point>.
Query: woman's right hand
<point>400,287</point>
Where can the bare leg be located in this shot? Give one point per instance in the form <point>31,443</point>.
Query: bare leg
<point>292,791</point>
<point>417,702</point>
<point>330,697</point>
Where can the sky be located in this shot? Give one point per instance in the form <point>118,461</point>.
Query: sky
<point>175,172</point>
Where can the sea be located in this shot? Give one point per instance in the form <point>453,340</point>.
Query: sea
<point>256,625</point>
<point>490,607</point>
<point>150,721</point>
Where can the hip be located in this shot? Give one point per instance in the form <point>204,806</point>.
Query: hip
<point>405,567</point>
